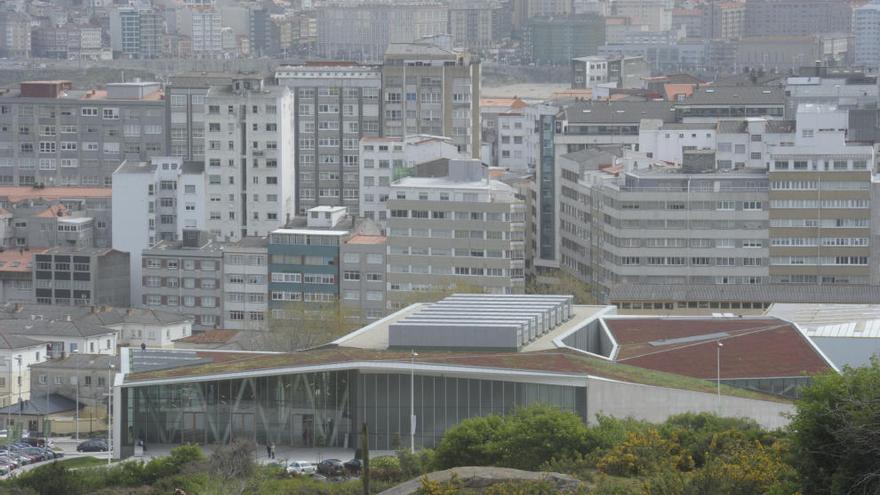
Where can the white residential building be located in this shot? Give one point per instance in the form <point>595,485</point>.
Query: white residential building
<point>386,159</point>
<point>155,201</point>
<point>511,135</point>
<point>249,142</point>
<point>207,34</point>
<point>866,34</point>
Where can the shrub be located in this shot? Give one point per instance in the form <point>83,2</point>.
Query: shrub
<point>470,443</point>
<point>412,465</point>
<point>643,454</point>
<point>52,479</point>
<point>534,435</point>
<point>385,468</point>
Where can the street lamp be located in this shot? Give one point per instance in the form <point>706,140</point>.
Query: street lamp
<point>109,410</point>
<point>18,358</point>
<point>718,371</point>
<point>76,407</point>
<point>412,401</point>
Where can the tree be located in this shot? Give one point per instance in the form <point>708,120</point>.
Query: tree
<point>234,463</point>
<point>307,325</point>
<point>561,283</point>
<point>836,432</point>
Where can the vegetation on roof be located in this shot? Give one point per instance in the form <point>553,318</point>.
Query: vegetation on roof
<point>556,361</point>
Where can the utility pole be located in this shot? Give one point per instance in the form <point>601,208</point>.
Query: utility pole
<point>109,412</point>
<point>365,458</point>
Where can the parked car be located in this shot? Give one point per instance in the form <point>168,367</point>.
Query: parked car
<point>331,467</point>
<point>300,468</point>
<point>37,441</point>
<point>40,454</point>
<point>9,461</point>
<point>93,445</point>
<point>353,466</point>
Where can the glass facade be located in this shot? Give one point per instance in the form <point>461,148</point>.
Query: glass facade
<point>442,402</point>
<point>324,409</point>
<point>303,410</point>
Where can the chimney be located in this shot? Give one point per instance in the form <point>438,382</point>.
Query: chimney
<point>67,318</point>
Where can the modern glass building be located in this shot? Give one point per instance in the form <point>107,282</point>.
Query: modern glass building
<point>323,409</point>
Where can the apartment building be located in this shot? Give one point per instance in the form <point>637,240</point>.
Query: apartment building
<point>55,216</point>
<point>193,263</point>
<point>264,37</point>
<point>246,284</point>
<point>511,132</point>
<point>81,277</point>
<point>15,35</point>
<point>431,90</point>
<point>450,225</point>
<point>249,165</point>
<point>820,201</point>
<point>185,112</point>
<point>796,17</point>
<point>523,10</point>
<point>155,201</point>
<point>16,275</point>
<point>655,15</point>
<point>590,124</point>
<point>713,103</point>
<point>136,32</point>
<point>363,285</point>
<point>866,34</point>
<point>386,159</point>
<point>207,38</point>
<point>304,259</point>
<point>664,226</point>
<point>478,25</point>
<point>363,31</point>
<point>52,134</point>
<point>557,40</point>
<point>336,105</point>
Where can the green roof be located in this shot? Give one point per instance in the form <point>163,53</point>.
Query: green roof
<point>561,361</point>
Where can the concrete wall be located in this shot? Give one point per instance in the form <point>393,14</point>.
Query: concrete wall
<point>656,404</point>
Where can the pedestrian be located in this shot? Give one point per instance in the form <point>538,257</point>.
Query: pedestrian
<point>268,450</point>
<point>272,449</point>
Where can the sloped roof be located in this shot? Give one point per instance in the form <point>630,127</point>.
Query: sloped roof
<point>210,337</point>
<point>39,405</point>
<point>752,347</point>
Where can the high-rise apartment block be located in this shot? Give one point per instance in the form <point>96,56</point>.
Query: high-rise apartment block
<point>362,31</point>
<point>207,38</point>
<point>451,225</point>
<point>336,105</point>
<point>249,140</point>
<point>246,284</point>
<point>155,201</point>
<point>137,32</point>
<point>866,34</point>
<point>430,90</point>
<point>185,111</point>
<point>52,134</point>
<point>557,40</point>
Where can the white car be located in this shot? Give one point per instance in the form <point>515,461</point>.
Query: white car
<point>299,468</point>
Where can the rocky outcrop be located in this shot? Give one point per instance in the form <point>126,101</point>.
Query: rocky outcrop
<point>477,477</point>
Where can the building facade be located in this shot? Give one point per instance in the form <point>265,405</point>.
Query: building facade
<point>450,225</point>
<point>249,158</point>
<point>185,276</point>
<point>82,277</point>
<point>155,201</point>
<point>431,90</point>
<point>56,135</point>
<point>336,105</point>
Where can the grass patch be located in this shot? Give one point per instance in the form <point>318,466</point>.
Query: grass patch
<point>81,462</point>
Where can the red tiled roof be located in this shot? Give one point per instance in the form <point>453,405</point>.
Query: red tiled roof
<point>752,348</point>
<point>14,260</point>
<point>14,194</point>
